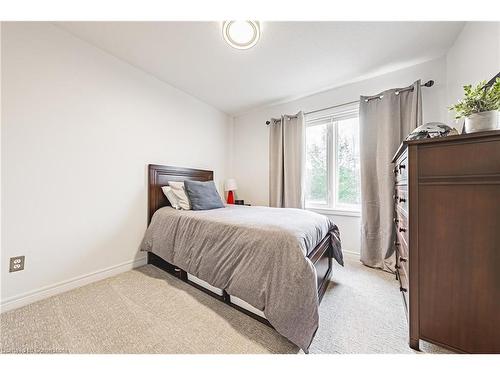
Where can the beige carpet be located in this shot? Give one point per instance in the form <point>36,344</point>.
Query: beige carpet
<point>149,311</point>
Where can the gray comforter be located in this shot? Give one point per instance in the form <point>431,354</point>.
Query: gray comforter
<point>257,254</point>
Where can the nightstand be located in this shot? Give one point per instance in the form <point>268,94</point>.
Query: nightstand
<point>241,202</point>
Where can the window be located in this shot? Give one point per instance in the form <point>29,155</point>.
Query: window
<point>332,160</point>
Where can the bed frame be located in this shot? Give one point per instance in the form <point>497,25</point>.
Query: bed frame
<point>159,175</point>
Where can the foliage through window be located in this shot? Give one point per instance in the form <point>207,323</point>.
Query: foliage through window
<point>332,161</point>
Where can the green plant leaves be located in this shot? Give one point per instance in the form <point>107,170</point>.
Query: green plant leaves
<point>478,99</point>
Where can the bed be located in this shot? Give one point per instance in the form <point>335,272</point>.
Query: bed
<point>271,264</point>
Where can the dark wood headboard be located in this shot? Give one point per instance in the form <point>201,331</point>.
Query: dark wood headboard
<point>159,175</point>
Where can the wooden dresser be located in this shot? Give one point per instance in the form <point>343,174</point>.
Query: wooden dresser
<point>447,222</point>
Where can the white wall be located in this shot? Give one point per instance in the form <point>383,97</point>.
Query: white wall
<point>474,57</point>
<point>250,149</point>
<point>79,127</point>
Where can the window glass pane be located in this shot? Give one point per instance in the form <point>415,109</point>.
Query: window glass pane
<point>316,164</point>
<point>348,178</point>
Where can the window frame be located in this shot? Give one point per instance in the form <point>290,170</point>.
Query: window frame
<point>332,117</point>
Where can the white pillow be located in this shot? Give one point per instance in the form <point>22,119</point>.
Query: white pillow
<point>180,194</point>
<point>174,202</point>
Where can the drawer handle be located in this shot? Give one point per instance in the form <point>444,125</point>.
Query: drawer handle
<point>401,289</point>
<point>396,220</point>
<point>402,200</point>
<point>402,229</point>
<point>402,166</point>
<point>401,259</point>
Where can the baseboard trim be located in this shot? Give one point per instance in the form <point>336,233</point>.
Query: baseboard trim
<point>350,252</point>
<point>63,286</point>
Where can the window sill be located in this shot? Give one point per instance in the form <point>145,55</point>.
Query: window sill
<point>330,211</point>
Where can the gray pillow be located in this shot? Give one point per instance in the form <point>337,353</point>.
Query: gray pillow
<point>202,195</point>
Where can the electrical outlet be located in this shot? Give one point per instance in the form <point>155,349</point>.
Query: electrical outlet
<point>16,263</point>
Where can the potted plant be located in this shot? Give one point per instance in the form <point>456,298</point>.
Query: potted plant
<point>479,106</point>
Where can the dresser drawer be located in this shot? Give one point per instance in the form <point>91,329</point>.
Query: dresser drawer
<point>401,225</point>
<point>402,240</point>
<point>402,261</point>
<point>401,198</point>
<point>402,247</point>
<point>465,159</point>
<point>403,277</point>
<point>400,169</point>
<point>402,255</point>
<point>405,292</point>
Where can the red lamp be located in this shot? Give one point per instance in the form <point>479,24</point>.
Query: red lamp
<point>230,186</point>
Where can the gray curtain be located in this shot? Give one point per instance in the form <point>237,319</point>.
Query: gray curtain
<point>384,123</point>
<point>286,159</point>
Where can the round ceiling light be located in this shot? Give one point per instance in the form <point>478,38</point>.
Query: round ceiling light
<point>241,34</point>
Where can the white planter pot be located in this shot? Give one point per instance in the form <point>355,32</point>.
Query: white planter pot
<point>482,121</point>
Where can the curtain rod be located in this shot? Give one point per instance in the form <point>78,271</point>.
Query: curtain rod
<point>429,83</point>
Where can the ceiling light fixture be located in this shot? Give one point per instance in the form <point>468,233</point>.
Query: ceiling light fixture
<point>241,34</point>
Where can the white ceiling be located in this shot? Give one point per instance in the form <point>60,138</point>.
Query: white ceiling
<point>292,59</point>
